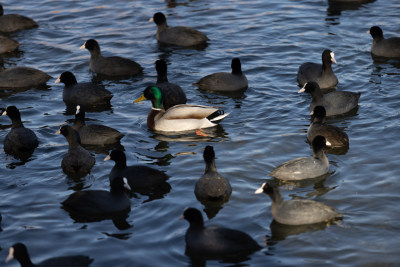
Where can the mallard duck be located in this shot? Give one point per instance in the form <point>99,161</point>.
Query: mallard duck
<point>178,118</point>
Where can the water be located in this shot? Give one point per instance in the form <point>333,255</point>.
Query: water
<point>267,126</point>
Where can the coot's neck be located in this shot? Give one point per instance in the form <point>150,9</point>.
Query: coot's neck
<point>17,123</point>
<point>327,65</point>
<point>210,166</point>
<point>74,141</point>
<point>236,68</point>
<point>318,153</point>
<point>120,164</point>
<point>275,196</point>
<point>26,261</point>
<point>317,94</point>
<point>196,224</point>
<point>162,27</point>
<point>318,120</point>
<point>162,77</point>
<point>70,81</point>
<point>95,52</point>
<point>79,120</point>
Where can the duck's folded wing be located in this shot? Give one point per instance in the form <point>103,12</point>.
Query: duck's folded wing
<point>188,112</point>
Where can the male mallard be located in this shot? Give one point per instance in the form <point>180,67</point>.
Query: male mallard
<point>178,118</point>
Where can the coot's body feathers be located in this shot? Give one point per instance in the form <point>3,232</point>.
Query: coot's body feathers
<point>8,44</point>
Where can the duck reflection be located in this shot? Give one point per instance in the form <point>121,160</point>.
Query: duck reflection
<point>98,205</point>
<point>205,135</point>
<point>280,232</point>
<point>196,261</point>
<point>384,60</point>
<point>70,109</point>
<point>119,221</point>
<point>336,7</point>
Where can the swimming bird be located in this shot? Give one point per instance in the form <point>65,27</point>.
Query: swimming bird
<point>305,167</point>
<point>8,44</point>
<point>110,66</point>
<point>20,77</point>
<point>141,179</point>
<point>334,135</point>
<point>172,93</point>
<point>19,252</point>
<point>212,186</point>
<point>224,81</point>
<point>215,241</point>
<point>178,35</point>
<point>14,22</point>
<point>389,47</point>
<point>20,141</point>
<point>100,204</point>
<point>85,93</point>
<point>77,162</point>
<point>297,211</point>
<point>320,73</point>
<point>180,117</point>
<point>335,103</point>
<point>94,134</point>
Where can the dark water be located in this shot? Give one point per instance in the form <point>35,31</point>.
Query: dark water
<point>267,126</point>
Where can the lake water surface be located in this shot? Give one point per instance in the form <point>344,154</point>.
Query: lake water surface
<point>267,125</point>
